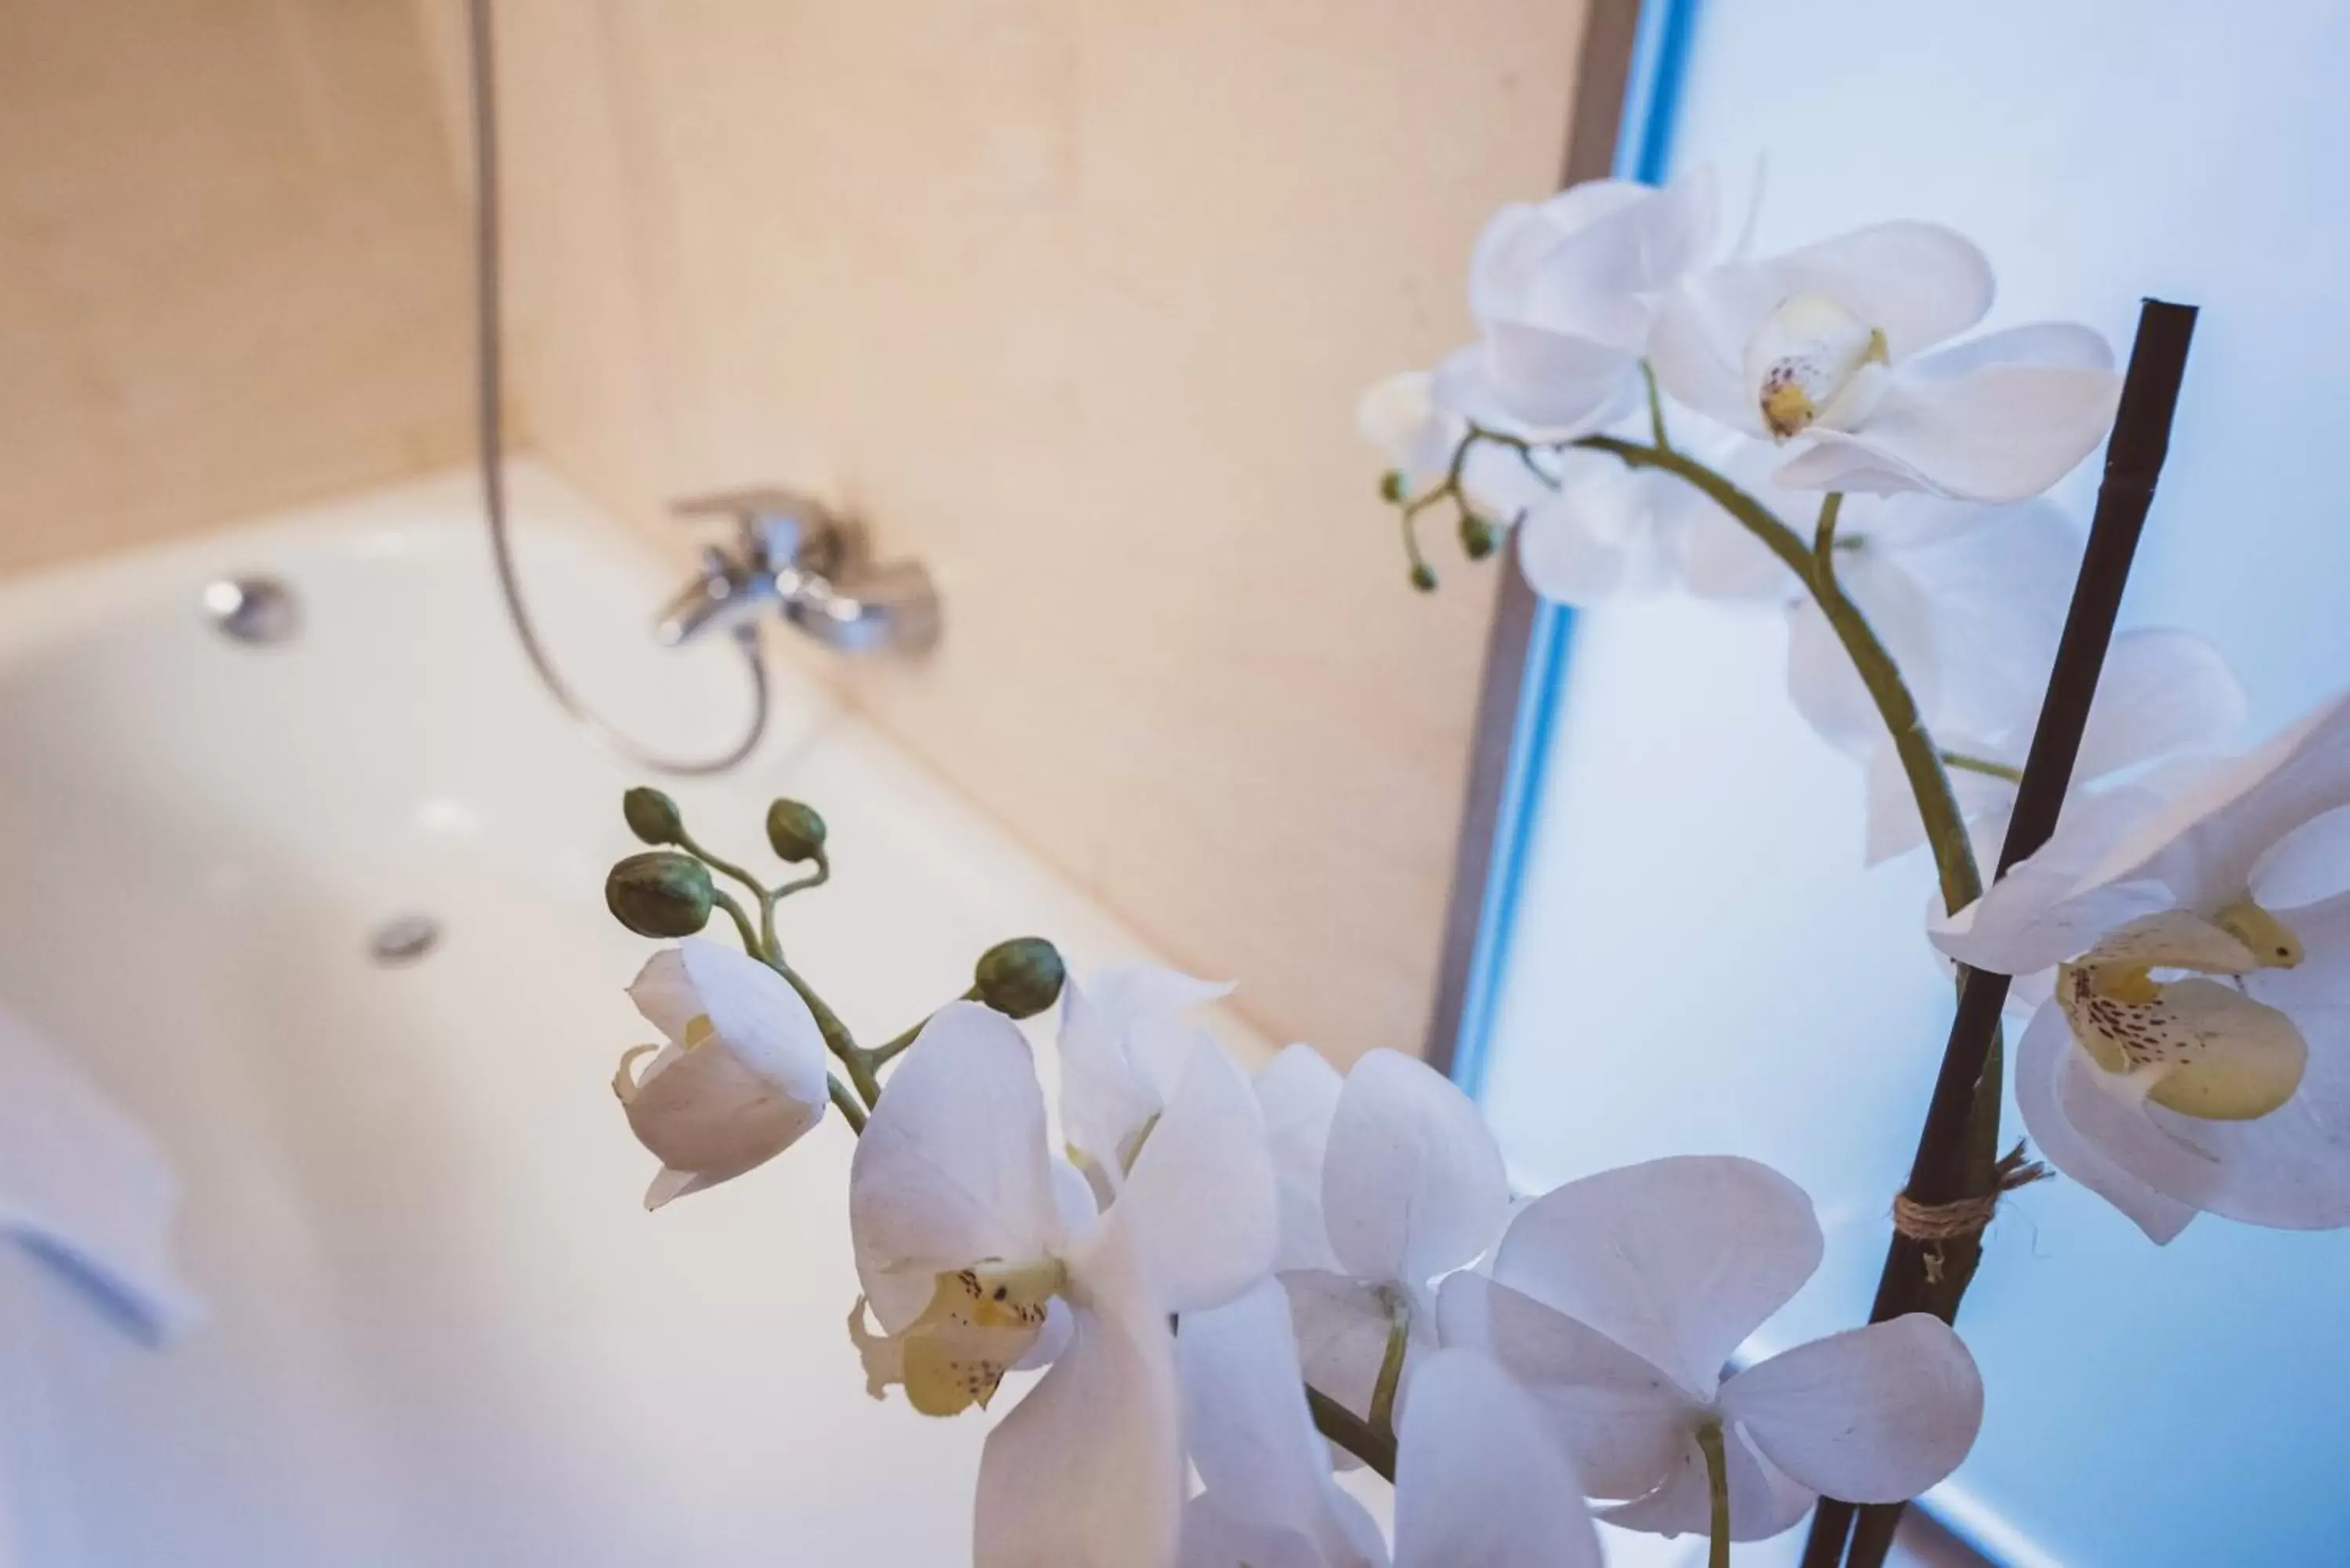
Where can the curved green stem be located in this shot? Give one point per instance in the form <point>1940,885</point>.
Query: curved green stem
<point>1967,762</point>
<point>725,900</point>
<point>1717,1486</point>
<point>1375,1446</point>
<point>850,1110</point>
<point>1921,762</point>
<point>1656,407</point>
<point>724,868</point>
<point>837,1037</point>
<point>1383,1391</point>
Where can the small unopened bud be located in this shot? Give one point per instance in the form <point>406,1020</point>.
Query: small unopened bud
<point>652,815</point>
<point>1476,537</point>
<point>794,832</point>
<point>1423,578</point>
<point>659,894</point>
<point>1020,978</point>
<point>1391,486</point>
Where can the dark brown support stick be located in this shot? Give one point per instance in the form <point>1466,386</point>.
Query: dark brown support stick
<point>1956,1146</point>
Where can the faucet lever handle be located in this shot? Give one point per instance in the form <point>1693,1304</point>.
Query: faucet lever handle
<point>783,527</point>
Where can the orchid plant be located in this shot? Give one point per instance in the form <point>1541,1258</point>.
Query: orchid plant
<point>1235,1291</point>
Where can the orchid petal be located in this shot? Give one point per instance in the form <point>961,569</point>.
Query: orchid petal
<point>1563,559</point>
<point>953,1169</point>
<point>750,1007</point>
<point>1087,1472</point>
<point>1412,1185</point>
<point>2045,1058</point>
<point>1676,1259</point>
<point>1875,1413</point>
<point>2205,842</point>
<point>1297,1093</point>
<point>2162,690</point>
<point>1998,420</point>
<point>1199,1198</point>
<point>1478,1481</point>
<point>1621,1420</point>
<point>1251,1436</point>
<point>1121,1047</point>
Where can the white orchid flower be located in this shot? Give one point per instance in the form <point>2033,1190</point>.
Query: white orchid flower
<point>2196,1057</point>
<point>1388,1180</point>
<point>1398,416</point>
<point>741,1079</point>
<point>1839,347</point>
<point>1479,1479</point>
<point>971,1239</point>
<point>1565,292</point>
<point>1124,1048</point>
<point>1617,1300</point>
<point>2165,696</point>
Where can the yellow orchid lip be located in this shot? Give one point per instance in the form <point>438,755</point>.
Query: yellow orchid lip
<point>980,1322</point>
<point>2201,1048</point>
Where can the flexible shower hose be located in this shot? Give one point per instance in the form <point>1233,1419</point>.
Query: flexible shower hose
<point>490,432</point>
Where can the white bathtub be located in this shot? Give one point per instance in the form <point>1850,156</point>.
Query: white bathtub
<point>442,1329</point>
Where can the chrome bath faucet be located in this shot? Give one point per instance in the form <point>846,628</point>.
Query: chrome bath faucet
<point>792,557</point>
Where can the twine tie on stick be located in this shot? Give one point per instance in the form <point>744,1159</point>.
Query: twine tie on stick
<point>1935,1223</point>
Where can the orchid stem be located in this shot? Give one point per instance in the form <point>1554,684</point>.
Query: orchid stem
<point>1922,762</point>
<point>1374,1445</point>
<point>1383,1391</point>
<point>750,944</point>
<point>1983,766</point>
<point>724,868</point>
<point>850,1110</point>
<point>1717,1486</point>
<point>1655,407</point>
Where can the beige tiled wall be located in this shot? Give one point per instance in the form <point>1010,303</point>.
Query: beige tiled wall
<point>1070,298</point>
<point>1073,299</point>
<point>230,263</point>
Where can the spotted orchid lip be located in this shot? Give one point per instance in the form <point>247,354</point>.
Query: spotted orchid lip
<point>2193,1046</point>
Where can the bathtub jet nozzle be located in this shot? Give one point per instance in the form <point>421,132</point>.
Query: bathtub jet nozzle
<point>659,894</point>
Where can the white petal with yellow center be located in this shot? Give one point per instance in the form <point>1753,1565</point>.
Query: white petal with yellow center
<point>1814,361</point>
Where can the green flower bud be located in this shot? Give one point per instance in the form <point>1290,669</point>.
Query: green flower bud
<point>1391,486</point>
<point>1476,537</point>
<point>652,816</point>
<point>1423,579</point>
<point>659,894</point>
<point>795,831</point>
<point>1020,978</point>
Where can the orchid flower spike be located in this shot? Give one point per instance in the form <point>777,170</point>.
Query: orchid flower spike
<point>978,1252</point>
<point>1387,1179</point>
<point>1838,346</point>
<point>1617,1300</point>
<point>2196,1057</point>
<point>1565,292</point>
<point>740,1078</point>
<point>1479,1479</point>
